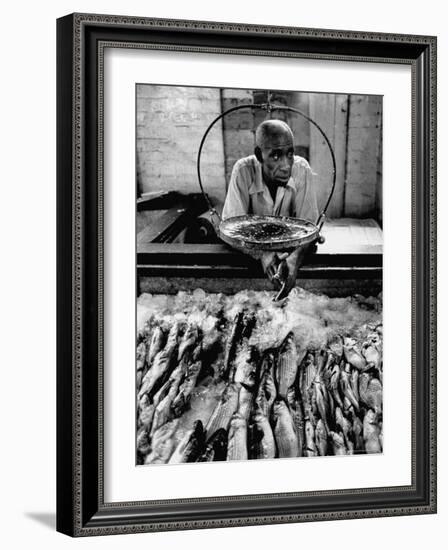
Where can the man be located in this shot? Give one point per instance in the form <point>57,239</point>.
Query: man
<point>274,182</point>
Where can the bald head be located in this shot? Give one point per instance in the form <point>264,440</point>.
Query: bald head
<point>274,149</point>
<point>270,132</point>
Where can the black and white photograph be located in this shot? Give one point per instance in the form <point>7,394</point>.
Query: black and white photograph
<point>259,281</point>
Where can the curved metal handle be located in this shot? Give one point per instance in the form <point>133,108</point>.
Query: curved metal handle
<point>268,107</point>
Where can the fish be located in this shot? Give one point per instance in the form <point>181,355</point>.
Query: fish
<point>310,449</point>
<point>237,438</point>
<point>321,437</point>
<point>191,446</point>
<point>371,392</point>
<point>346,428</point>
<point>145,412</point>
<point>338,443</point>
<point>246,366</point>
<point>334,384</point>
<point>162,443</point>
<point>354,357</point>
<point>163,411</point>
<point>216,447</point>
<point>189,339</point>
<point>162,363</point>
<point>182,399</point>
<point>154,346</point>
<point>344,383</point>
<point>143,445</point>
<point>295,408</point>
<point>358,433</point>
<point>335,344</point>
<point>227,405</point>
<point>372,355</point>
<point>249,322</point>
<point>267,393</point>
<point>308,372</point>
<point>261,437</point>
<point>322,400</point>
<point>245,400</point>
<point>286,370</point>
<point>232,343</point>
<point>141,356</point>
<point>284,431</point>
<point>354,380</point>
<point>371,432</point>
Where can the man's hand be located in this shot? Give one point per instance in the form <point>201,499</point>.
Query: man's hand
<point>270,266</point>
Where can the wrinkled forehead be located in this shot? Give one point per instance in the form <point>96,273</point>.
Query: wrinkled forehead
<point>278,140</point>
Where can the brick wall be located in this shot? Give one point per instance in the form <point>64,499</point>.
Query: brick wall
<point>171,121</point>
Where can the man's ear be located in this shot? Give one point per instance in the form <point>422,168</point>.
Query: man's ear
<point>257,152</point>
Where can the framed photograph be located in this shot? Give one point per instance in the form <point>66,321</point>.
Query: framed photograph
<point>246,274</point>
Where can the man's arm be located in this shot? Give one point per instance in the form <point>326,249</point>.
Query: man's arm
<point>237,198</point>
<point>306,199</point>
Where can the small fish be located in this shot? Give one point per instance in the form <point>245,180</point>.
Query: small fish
<point>141,356</point>
<point>216,447</point>
<point>336,346</point>
<point>191,446</point>
<point>162,363</point>
<point>145,412</point>
<point>338,443</point>
<point>310,449</point>
<point>286,371</point>
<point>155,345</point>
<point>322,400</point>
<point>371,433</point>
<point>182,399</point>
<point>346,428</point>
<point>163,410</point>
<point>246,366</point>
<point>371,392</point>
<point>189,339</point>
<point>227,405</point>
<point>321,437</point>
<point>284,431</point>
<point>143,445</point>
<point>358,433</point>
<point>237,444</point>
<point>344,383</point>
<point>354,357</point>
<point>295,408</point>
<point>334,384</point>
<point>354,380</point>
<point>232,343</point>
<point>308,372</point>
<point>372,355</point>
<point>262,443</point>
<point>267,393</point>
<point>245,400</point>
<point>162,444</point>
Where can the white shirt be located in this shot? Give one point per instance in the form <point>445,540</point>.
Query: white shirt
<point>248,194</point>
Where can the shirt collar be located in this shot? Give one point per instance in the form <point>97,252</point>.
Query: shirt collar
<point>258,185</point>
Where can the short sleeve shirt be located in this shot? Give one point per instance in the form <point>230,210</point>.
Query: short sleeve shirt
<point>248,194</point>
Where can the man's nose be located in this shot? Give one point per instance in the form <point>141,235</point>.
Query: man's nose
<point>285,164</point>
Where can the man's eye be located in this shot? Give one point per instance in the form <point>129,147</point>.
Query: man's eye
<point>275,156</point>
<point>290,154</point>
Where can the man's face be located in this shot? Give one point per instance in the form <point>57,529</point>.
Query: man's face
<point>278,157</point>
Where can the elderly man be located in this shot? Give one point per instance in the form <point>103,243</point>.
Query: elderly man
<point>275,182</point>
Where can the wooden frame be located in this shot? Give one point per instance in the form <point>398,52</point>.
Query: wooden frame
<point>81,39</point>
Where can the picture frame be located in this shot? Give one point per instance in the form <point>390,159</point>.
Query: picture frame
<point>81,42</point>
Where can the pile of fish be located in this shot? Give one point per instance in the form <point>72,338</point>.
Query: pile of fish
<point>222,396</point>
